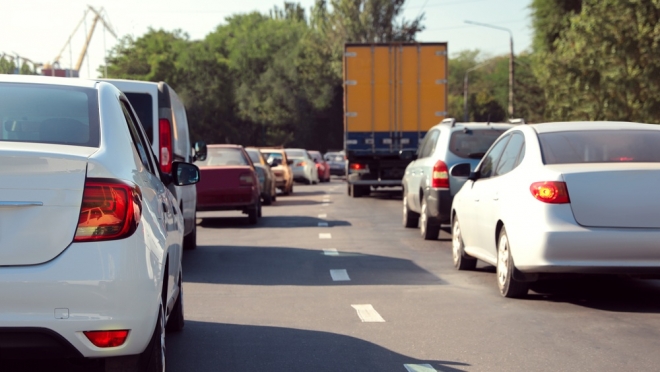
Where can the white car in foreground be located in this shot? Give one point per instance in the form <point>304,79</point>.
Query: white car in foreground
<point>90,237</point>
<point>577,197</point>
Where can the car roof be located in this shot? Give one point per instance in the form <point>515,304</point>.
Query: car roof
<point>48,80</point>
<point>126,81</point>
<point>228,146</point>
<point>591,125</point>
<point>477,126</point>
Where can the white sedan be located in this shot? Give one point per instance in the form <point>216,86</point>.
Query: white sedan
<point>577,197</point>
<point>90,237</point>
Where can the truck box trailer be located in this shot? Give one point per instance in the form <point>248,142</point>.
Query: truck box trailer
<point>393,94</point>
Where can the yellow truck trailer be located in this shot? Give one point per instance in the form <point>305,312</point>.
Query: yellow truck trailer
<point>393,94</point>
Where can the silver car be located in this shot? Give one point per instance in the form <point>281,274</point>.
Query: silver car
<point>552,198</point>
<point>303,166</point>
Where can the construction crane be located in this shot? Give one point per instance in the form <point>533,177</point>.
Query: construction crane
<point>98,16</point>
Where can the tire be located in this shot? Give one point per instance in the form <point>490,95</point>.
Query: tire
<point>462,261</point>
<point>426,229</point>
<point>509,287</point>
<point>152,358</point>
<point>410,218</point>
<point>176,320</point>
<point>355,191</point>
<point>349,190</point>
<point>190,240</point>
<point>253,214</point>
<point>259,211</point>
<point>290,189</point>
<point>268,199</point>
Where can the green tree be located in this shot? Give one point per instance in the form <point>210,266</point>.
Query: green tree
<point>7,66</point>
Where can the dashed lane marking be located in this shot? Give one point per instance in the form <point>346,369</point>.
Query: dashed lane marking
<point>325,236</point>
<point>340,275</point>
<point>419,368</point>
<point>323,224</point>
<point>323,215</point>
<point>368,314</point>
<point>325,205</point>
<point>331,252</point>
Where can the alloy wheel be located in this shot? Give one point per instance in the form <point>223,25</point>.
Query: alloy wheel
<point>502,261</point>
<point>456,242</point>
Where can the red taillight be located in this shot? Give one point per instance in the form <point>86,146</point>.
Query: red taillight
<point>246,179</point>
<point>165,143</point>
<point>107,338</point>
<point>111,209</point>
<point>552,192</point>
<point>357,166</point>
<point>440,177</point>
<point>301,164</point>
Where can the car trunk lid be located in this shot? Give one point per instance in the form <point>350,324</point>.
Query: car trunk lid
<point>40,197</point>
<point>226,177</point>
<point>621,195</point>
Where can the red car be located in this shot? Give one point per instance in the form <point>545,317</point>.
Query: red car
<point>321,166</point>
<point>228,181</point>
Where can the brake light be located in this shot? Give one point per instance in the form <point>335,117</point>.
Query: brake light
<point>107,338</point>
<point>440,177</point>
<point>111,209</point>
<point>552,192</point>
<point>246,179</point>
<point>301,164</point>
<point>357,166</point>
<point>165,143</point>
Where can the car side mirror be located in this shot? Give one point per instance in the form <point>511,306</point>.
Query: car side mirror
<point>184,174</point>
<point>473,176</point>
<point>407,155</point>
<point>200,150</point>
<point>461,170</point>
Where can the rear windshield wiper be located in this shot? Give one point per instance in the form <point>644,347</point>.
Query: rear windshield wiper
<point>476,155</point>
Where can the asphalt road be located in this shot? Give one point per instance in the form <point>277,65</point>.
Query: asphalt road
<point>263,298</point>
<point>291,294</point>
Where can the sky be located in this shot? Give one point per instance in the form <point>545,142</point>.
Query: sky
<point>39,29</point>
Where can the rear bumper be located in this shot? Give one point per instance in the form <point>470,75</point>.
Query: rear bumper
<point>227,199</point>
<point>90,286</point>
<point>439,205</point>
<point>559,245</point>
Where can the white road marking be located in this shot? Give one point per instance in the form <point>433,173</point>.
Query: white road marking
<point>367,313</point>
<point>331,252</point>
<point>339,275</point>
<point>323,215</point>
<point>323,224</point>
<point>325,205</point>
<point>325,236</point>
<point>419,368</point>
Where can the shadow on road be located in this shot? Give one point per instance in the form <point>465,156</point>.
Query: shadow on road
<point>286,202</point>
<point>307,192</point>
<point>204,346</point>
<point>275,221</point>
<point>297,266</point>
<point>609,293</point>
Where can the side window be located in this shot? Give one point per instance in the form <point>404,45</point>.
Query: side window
<point>521,156</point>
<point>490,160</point>
<point>139,144</point>
<point>429,143</point>
<point>509,158</point>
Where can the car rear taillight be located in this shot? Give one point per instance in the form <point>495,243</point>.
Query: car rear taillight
<point>111,209</point>
<point>553,192</point>
<point>107,338</point>
<point>301,164</point>
<point>165,143</point>
<point>440,176</point>
<point>246,179</point>
<point>357,166</point>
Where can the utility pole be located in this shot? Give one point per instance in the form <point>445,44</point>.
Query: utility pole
<point>511,62</point>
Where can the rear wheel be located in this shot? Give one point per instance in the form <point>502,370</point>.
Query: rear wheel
<point>176,320</point>
<point>461,260</point>
<point>268,199</point>
<point>508,285</point>
<point>253,214</point>
<point>410,218</point>
<point>428,230</point>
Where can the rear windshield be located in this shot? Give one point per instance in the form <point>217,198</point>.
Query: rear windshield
<point>217,157</point>
<point>334,156</point>
<point>600,146</point>
<point>473,144</point>
<point>49,114</point>
<point>143,105</point>
<point>254,156</point>
<point>295,153</point>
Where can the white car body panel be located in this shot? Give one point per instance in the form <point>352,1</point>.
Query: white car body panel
<point>546,238</point>
<point>115,284</point>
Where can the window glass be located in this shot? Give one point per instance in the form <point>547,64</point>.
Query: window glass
<point>139,144</point>
<point>49,114</point>
<point>223,156</point>
<point>254,156</point>
<point>143,105</point>
<point>600,146</point>
<point>473,143</point>
<point>510,155</point>
<point>521,156</point>
<point>489,161</point>
<point>429,143</point>
<point>295,153</point>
